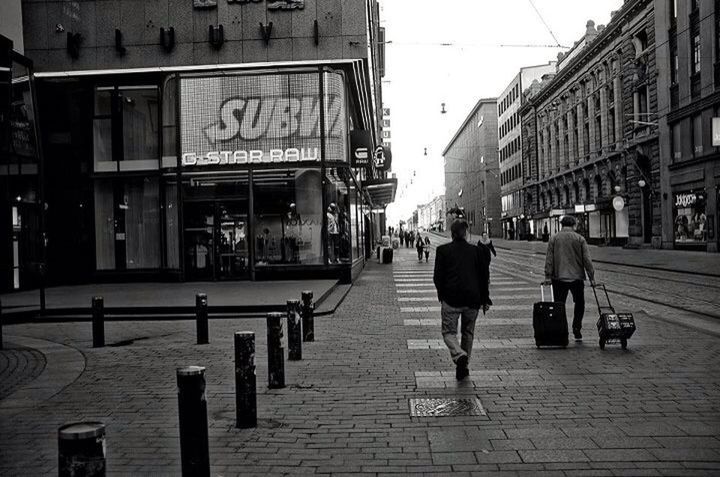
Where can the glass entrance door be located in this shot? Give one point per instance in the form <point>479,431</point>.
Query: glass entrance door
<point>216,240</point>
<point>199,240</point>
<point>232,251</point>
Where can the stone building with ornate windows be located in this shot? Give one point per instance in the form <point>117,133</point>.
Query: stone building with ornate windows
<point>688,39</point>
<point>590,143</point>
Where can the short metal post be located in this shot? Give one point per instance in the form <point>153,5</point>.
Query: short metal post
<point>245,382</point>
<point>192,410</point>
<point>98,321</point>
<point>294,330</point>
<point>201,316</point>
<point>276,352</point>
<point>308,320</point>
<point>81,450</point>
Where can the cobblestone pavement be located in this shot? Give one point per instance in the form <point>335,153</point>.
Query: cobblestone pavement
<point>651,410</point>
<point>18,366</point>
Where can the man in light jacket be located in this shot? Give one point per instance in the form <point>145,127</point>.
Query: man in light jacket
<point>566,263</point>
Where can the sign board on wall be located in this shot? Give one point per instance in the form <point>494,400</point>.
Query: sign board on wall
<point>361,147</point>
<point>273,118</point>
<point>716,132</point>
<point>382,158</point>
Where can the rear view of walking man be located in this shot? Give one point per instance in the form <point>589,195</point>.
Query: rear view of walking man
<point>461,279</point>
<point>566,262</point>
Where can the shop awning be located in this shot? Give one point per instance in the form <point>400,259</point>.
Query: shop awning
<point>381,191</point>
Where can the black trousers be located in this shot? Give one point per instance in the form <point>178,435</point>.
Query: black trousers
<point>577,288</point>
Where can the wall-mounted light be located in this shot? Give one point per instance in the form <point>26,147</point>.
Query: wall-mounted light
<point>642,183</point>
<point>442,111</point>
<point>617,189</point>
<point>59,28</point>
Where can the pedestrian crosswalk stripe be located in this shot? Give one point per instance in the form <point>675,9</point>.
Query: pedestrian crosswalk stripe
<point>477,344</point>
<point>424,290</point>
<point>482,320</point>
<point>415,280</point>
<point>494,298</point>
<point>429,309</point>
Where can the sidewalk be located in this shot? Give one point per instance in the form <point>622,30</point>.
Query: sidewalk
<point>234,294</point>
<point>351,405</point>
<point>670,260</point>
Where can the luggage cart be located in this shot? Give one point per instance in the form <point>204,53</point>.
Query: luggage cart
<point>613,327</point>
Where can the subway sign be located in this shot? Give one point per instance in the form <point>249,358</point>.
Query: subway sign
<point>261,119</point>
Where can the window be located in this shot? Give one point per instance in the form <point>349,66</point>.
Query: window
<point>125,128</point>
<point>611,127</point>
<point>289,216</point>
<point>696,52</point>
<point>697,135</point>
<point>676,140</point>
<point>674,61</point>
<point>690,221</point>
<point>127,224</point>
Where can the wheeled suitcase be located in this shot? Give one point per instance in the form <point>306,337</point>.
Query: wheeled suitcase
<point>387,255</point>
<point>613,326</point>
<point>550,321</point>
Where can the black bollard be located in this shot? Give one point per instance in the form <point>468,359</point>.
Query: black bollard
<point>294,330</point>
<point>192,410</point>
<point>201,316</point>
<point>308,320</point>
<point>81,450</point>
<point>1,336</point>
<point>245,383</point>
<point>98,321</point>
<point>276,352</point>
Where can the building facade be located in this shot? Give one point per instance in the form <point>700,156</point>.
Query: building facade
<point>688,52</point>
<point>187,143</point>
<point>431,216</point>
<point>472,179</point>
<point>594,148</point>
<point>515,225</point>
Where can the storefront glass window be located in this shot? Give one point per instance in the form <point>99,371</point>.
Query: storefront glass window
<point>339,236</point>
<point>288,217</point>
<point>139,128</point>
<point>172,231</point>
<point>130,115</point>
<point>169,129</point>
<point>690,219</point>
<point>354,225</point>
<point>127,224</point>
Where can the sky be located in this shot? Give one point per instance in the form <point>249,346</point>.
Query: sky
<point>422,73</point>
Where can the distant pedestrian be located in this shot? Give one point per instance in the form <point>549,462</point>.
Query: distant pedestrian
<point>461,279</point>
<point>566,263</point>
<point>427,248</point>
<point>487,246</point>
<point>419,244</point>
<point>402,238</point>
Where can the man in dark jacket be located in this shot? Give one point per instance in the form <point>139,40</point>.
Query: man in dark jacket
<point>461,279</point>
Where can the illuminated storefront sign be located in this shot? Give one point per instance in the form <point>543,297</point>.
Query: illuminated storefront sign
<point>685,200</point>
<point>262,119</point>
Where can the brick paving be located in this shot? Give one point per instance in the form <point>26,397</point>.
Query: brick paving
<point>18,366</point>
<point>651,410</point>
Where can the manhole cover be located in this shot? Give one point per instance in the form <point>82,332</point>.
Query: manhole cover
<point>446,407</point>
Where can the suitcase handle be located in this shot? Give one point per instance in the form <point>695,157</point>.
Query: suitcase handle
<point>600,307</point>
<point>542,292</point>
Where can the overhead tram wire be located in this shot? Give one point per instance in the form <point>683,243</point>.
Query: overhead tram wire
<point>545,23</point>
<point>452,44</point>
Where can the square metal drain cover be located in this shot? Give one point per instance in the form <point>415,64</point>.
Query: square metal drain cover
<point>441,407</point>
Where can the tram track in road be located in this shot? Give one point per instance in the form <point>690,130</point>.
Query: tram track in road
<point>711,309</point>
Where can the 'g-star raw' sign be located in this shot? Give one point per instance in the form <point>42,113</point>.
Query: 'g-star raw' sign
<point>261,119</point>
<point>684,200</point>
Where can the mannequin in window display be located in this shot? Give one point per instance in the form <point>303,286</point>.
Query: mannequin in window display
<point>293,234</point>
<point>700,219</point>
<point>680,227</point>
<point>344,223</point>
<point>333,233</point>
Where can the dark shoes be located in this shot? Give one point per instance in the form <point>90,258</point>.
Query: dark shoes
<point>578,335</point>
<point>461,369</point>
